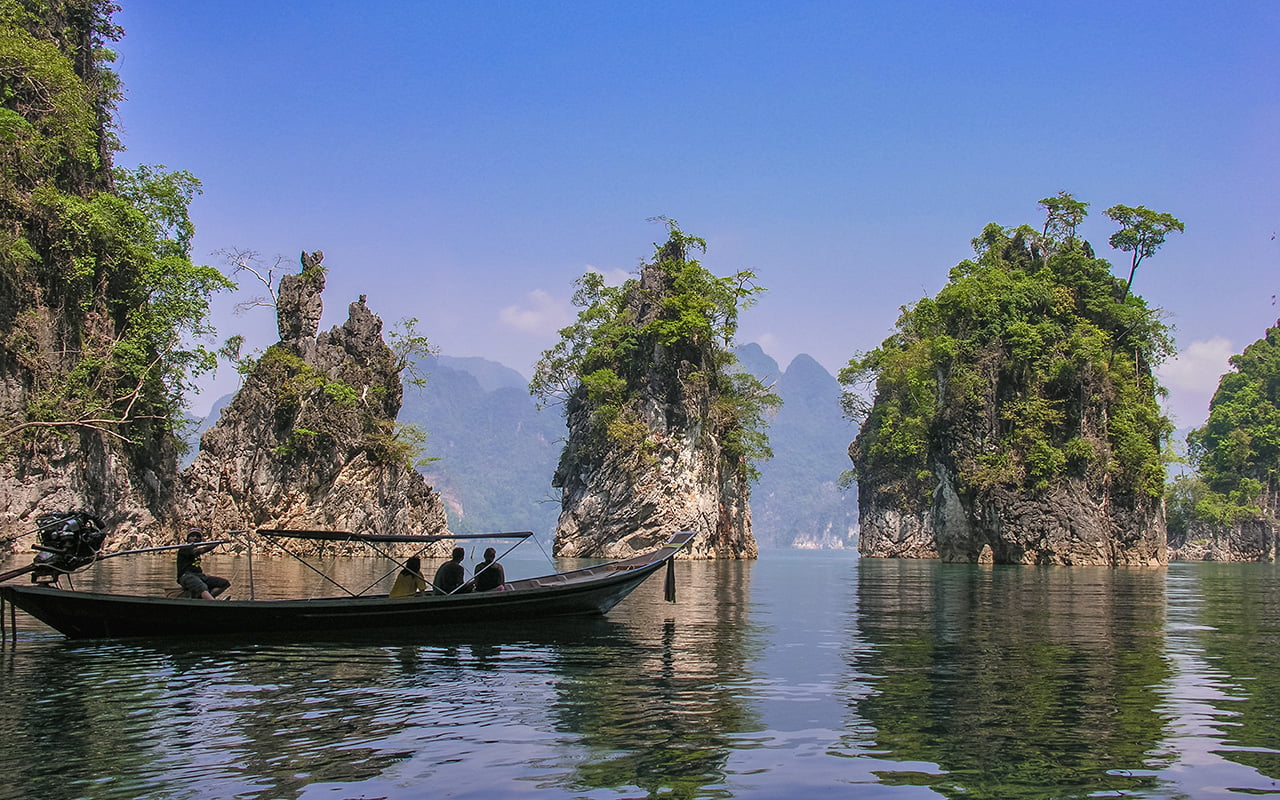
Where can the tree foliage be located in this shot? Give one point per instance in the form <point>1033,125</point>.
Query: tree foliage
<point>1008,373</point>
<point>1141,233</point>
<point>101,309</point>
<point>1237,452</point>
<point>680,309</point>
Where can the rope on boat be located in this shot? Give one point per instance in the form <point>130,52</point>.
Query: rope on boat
<point>544,552</point>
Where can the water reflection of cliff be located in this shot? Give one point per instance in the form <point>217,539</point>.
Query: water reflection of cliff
<point>654,709</point>
<point>1017,682</point>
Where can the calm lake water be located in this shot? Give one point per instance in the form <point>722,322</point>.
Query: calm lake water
<point>805,673</point>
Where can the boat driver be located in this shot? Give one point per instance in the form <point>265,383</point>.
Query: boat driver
<point>197,582</point>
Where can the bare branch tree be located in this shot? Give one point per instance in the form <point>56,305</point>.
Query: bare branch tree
<point>95,419</point>
<point>253,262</point>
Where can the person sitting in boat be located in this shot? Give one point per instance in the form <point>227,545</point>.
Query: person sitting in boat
<point>452,575</point>
<point>489,574</point>
<point>196,581</point>
<point>410,581</point>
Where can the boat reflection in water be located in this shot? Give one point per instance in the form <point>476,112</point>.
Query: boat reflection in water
<point>637,696</point>
<point>657,709</point>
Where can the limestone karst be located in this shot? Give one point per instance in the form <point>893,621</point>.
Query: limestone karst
<point>308,441</point>
<point>661,433</point>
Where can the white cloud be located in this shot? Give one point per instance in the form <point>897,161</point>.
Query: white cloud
<point>612,277</point>
<point>770,344</point>
<point>1192,378</point>
<point>540,314</point>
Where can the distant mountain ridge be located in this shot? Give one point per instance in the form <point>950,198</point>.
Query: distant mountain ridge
<point>496,452</point>
<point>798,502</point>
<point>490,374</point>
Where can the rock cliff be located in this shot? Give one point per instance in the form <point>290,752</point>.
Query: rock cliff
<point>1251,540</point>
<point>1014,418</point>
<point>128,487</point>
<point>1082,519</point>
<point>616,502</point>
<point>651,444</point>
<point>97,295</point>
<point>1074,521</point>
<point>308,440</point>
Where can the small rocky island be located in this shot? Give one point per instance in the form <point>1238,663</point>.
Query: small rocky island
<point>663,431</point>
<point>309,440</point>
<point>1015,417</point>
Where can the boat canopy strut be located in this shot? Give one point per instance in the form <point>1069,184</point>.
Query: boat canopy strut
<point>343,536</point>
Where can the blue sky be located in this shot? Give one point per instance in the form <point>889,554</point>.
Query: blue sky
<point>464,163</point>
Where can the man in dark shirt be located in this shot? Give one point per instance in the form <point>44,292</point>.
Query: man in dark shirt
<point>489,573</point>
<point>451,575</point>
<point>190,576</point>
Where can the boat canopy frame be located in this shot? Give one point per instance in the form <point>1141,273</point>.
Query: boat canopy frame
<point>344,536</point>
<point>372,541</point>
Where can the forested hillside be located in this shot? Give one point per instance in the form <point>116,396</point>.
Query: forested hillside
<point>493,451</point>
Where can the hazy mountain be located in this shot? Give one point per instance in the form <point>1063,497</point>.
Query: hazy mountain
<point>491,375</point>
<point>195,428</point>
<point>797,502</point>
<point>496,452</point>
<point>755,360</point>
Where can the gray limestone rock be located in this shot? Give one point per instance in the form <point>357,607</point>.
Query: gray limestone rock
<point>620,498</point>
<point>1079,518</point>
<point>308,441</point>
<point>1250,540</point>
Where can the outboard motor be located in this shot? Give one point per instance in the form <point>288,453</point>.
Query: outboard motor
<point>68,540</point>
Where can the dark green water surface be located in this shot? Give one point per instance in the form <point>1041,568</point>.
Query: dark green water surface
<point>805,674</point>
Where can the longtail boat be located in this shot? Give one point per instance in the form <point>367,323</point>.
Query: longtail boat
<point>86,614</point>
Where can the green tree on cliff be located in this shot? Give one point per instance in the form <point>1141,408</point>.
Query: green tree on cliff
<point>1008,374</point>
<point>1141,233</point>
<point>99,301</point>
<point>606,357</point>
<point>1237,452</point>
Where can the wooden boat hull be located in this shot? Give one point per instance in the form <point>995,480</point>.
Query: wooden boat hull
<point>84,615</point>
